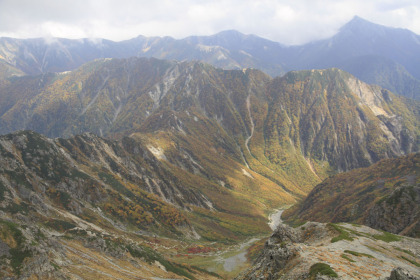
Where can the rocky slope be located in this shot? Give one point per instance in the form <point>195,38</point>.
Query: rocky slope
<point>371,52</point>
<point>379,70</point>
<point>383,196</point>
<point>127,181</point>
<point>330,116</point>
<point>107,201</point>
<point>331,251</point>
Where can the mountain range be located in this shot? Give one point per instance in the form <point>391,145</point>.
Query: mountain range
<point>307,121</point>
<point>115,165</point>
<point>193,152</point>
<point>373,53</point>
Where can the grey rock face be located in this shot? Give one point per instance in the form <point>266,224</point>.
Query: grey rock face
<point>278,251</point>
<point>4,249</point>
<point>400,274</point>
<point>398,213</point>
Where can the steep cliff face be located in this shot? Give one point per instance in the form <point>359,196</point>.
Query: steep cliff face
<point>384,196</point>
<point>332,117</point>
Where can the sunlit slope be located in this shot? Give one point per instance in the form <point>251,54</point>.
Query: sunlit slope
<point>384,196</point>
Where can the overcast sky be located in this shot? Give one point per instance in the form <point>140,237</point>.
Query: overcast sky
<point>288,22</point>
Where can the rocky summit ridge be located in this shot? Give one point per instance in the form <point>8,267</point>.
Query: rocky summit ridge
<point>319,251</point>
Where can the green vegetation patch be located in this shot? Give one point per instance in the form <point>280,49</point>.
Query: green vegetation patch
<point>56,266</point>
<point>60,197</point>
<point>387,237</point>
<point>411,261</point>
<point>206,271</point>
<point>14,208</point>
<point>323,269</point>
<point>60,225</point>
<point>11,228</point>
<point>18,253</point>
<point>295,223</point>
<point>344,234</point>
<point>357,254</point>
<point>115,184</point>
<point>375,249</point>
<point>151,256</point>
<point>3,189</point>
<point>18,256</point>
<point>405,251</point>
<point>347,257</point>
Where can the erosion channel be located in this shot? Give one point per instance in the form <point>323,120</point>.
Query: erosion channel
<point>235,260</point>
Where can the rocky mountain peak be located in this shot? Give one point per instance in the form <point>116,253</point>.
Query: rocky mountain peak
<point>357,26</point>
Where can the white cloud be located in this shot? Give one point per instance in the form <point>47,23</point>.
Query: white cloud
<point>289,22</point>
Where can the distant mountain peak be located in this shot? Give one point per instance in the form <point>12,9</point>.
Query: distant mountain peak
<point>360,24</point>
<point>230,32</point>
<point>357,18</point>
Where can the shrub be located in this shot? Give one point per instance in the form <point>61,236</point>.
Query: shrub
<point>323,269</point>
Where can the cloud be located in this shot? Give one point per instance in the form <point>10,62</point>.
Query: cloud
<point>289,22</point>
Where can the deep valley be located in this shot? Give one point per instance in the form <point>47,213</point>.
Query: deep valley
<point>121,164</point>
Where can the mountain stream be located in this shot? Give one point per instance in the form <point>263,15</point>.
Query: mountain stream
<point>248,106</point>
<point>233,262</point>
